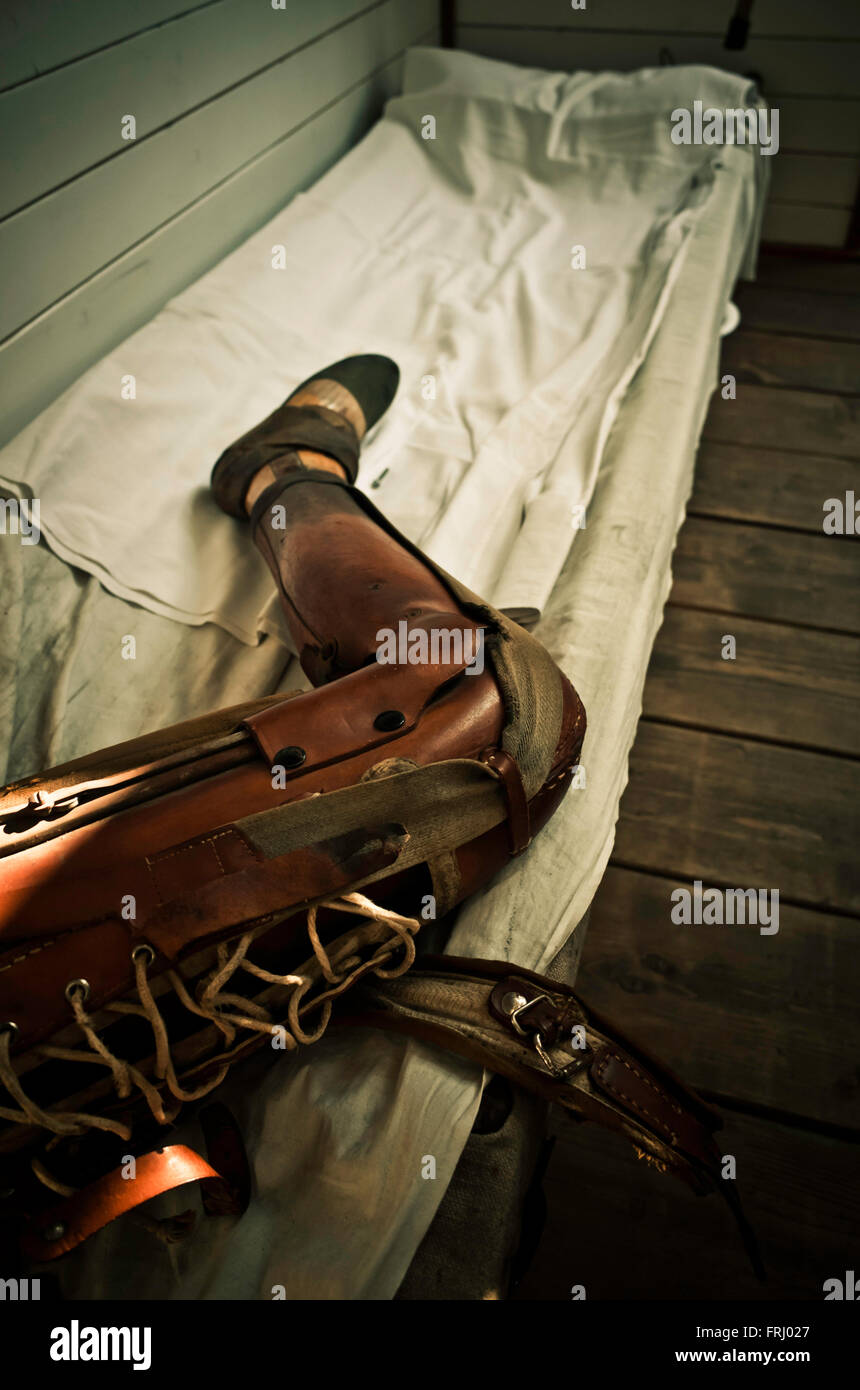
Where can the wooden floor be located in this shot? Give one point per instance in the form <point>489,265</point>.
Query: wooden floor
<point>744,774</point>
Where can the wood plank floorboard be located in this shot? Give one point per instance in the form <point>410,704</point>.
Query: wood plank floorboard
<point>782,576</point>
<point>815,422</point>
<point>790,685</point>
<point>831,275</point>
<point>769,1020</point>
<point>773,359</point>
<point>626,1231</point>
<point>799,311</point>
<point>770,487</point>
<point>740,814</point>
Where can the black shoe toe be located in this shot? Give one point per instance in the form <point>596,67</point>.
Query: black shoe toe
<point>371,378</point>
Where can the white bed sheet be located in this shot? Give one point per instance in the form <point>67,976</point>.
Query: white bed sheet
<point>453,255</point>
<point>338,1136</point>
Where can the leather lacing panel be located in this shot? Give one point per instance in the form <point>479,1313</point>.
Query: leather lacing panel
<point>232,1014</point>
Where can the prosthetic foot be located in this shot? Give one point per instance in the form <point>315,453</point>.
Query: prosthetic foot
<point>325,418</point>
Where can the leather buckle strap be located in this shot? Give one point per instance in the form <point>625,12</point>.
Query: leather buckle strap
<point>552,1020</point>
<point>519,820</point>
<point>294,427</point>
<point>497,1017</point>
<point>318,428</point>
<point>532,1014</point>
<point>504,1019</point>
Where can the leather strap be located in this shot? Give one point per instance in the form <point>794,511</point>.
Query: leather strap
<point>542,1036</point>
<point>65,1225</point>
<point>519,826</point>
<point>317,428</point>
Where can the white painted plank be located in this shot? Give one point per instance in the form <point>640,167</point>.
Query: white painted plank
<point>46,357</point>
<point>798,225</point>
<point>65,238</point>
<point>811,68</point>
<point>54,128</point>
<point>39,35</point>
<point>834,19</point>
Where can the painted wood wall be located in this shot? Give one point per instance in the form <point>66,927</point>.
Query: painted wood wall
<point>807,53</point>
<point>237,106</point>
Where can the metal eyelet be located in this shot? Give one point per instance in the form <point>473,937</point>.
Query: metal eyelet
<point>290,757</point>
<point>144,949</point>
<point>389,721</point>
<point>79,987</point>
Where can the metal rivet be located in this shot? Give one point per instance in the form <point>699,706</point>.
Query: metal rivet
<point>79,987</point>
<point>511,1002</point>
<point>291,756</point>
<point>143,950</point>
<point>55,1232</point>
<point>389,720</point>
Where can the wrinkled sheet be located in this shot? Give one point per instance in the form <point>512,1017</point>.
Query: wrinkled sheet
<point>453,254</point>
<point>338,1135</point>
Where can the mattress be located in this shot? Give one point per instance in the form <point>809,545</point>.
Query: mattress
<point>592,413</point>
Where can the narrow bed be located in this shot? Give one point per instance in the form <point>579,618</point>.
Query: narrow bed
<point>552,275</point>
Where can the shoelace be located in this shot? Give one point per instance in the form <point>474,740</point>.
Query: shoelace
<point>241,1014</point>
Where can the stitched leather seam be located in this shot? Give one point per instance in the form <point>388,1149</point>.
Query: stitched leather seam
<point>573,720</point>
<point>152,864</point>
<point>211,841</point>
<point>635,1105</point>
<point>648,1082</point>
<point>56,940</point>
<point>565,772</point>
<point>34,951</point>
<point>258,527</point>
<point>186,849</point>
<point>154,881</point>
<point>547,786</point>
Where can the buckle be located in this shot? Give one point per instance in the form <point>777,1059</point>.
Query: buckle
<point>559,1073</point>
<point>514,1005</point>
